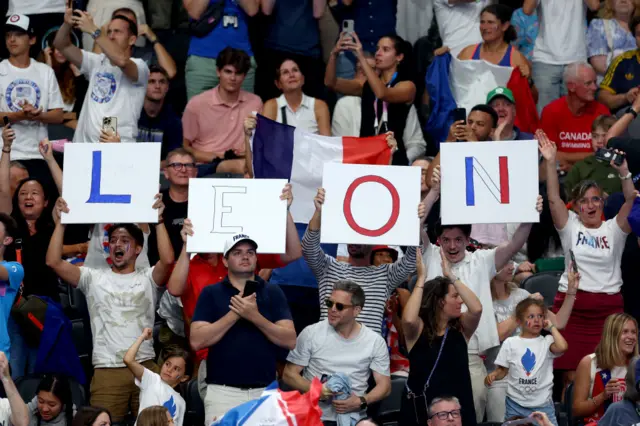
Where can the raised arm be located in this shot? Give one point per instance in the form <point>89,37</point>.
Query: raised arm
<point>559,345</point>
<point>195,8</point>
<point>506,251</point>
<point>178,280</point>
<point>412,324</point>
<point>134,366</point>
<point>46,150</point>
<point>293,247</point>
<point>593,5</point>
<point>318,8</point>
<point>165,249</point>
<point>66,271</point>
<point>165,60</point>
<point>19,410</point>
<point>562,317</point>
<point>630,194</point>
<point>267,6</point>
<point>84,22</point>
<point>8,136</point>
<point>471,318</point>
<point>63,43</point>
<point>349,87</point>
<point>529,6</point>
<point>559,212</point>
<point>402,93</point>
<point>317,260</point>
<point>625,120</point>
<point>429,201</point>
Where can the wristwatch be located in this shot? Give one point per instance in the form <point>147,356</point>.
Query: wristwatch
<point>96,34</point>
<point>631,111</point>
<point>363,403</point>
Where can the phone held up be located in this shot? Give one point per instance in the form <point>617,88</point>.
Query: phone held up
<point>250,288</point>
<point>573,262</point>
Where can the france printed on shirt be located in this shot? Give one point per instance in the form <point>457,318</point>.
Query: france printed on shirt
<point>104,87</point>
<point>20,91</point>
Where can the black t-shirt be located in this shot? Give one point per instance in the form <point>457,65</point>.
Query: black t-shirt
<point>174,216</point>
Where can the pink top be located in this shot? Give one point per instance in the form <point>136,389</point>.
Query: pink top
<point>213,126</point>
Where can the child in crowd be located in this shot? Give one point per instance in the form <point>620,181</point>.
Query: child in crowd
<point>159,389</point>
<point>527,362</point>
<point>155,416</point>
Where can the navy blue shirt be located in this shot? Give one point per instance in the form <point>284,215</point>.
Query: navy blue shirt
<point>623,74</point>
<point>522,136</point>
<point>373,19</point>
<point>166,128</point>
<point>244,357</point>
<point>293,28</point>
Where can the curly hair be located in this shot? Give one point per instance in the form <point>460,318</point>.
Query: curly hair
<point>435,292</point>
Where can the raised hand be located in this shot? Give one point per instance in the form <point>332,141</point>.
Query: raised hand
<point>318,200</point>
<point>158,205</point>
<point>187,230</point>
<point>46,150</point>
<point>547,148</point>
<point>287,195</point>
<point>435,179</point>
<point>147,333</point>
<point>60,207</point>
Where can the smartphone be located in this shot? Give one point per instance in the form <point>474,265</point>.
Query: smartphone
<point>460,114</point>
<point>6,121</point>
<point>110,124</point>
<point>573,261</point>
<point>348,26</point>
<point>250,288</point>
<point>525,421</point>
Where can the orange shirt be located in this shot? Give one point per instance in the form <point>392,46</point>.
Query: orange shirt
<point>202,274</point>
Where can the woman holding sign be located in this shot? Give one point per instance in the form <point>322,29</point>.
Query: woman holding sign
<point>596,245</point>
<point>387,93</point>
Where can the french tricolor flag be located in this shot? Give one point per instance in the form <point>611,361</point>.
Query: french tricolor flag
<point>284,152</point>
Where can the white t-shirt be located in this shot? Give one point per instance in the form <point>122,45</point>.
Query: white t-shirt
<point>598,254</point>
<point>110,94</point>
<point>32,7</point>
<point>563,32</point>
<point>153,391</point>
<point>5,412</point>
<point>530,364</point>
<point>37,85</point>
<point>321,350</point>
<point>475,271</point>
<point>459,24</point>
<point>120,307</point>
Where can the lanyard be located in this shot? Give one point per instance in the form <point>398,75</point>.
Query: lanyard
<point>383,117</point>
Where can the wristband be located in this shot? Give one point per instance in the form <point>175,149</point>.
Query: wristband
<point>632,111</point>
<point>625,177</point>
<point>6,151</point>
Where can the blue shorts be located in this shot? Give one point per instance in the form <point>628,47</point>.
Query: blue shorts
<point>514,409</point>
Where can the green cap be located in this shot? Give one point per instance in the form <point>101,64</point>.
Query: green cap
<point>500,91</point>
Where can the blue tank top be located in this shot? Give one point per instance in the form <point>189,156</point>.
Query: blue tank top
<point>504,62</point>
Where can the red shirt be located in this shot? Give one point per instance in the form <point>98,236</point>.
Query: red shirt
<point>202,274</point>
<point>571,133</point>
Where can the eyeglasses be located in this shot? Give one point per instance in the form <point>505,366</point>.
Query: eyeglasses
<point>444,415</point>
<point>339,306</point>
<point>593,200</point>
<point>178,166</point>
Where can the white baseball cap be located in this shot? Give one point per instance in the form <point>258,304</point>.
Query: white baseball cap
<point>237,239</point>
<point>20,23</point>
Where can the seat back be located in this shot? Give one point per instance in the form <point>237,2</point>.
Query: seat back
<point>195,406</point>
<point>545,283</point>
<point>568,404</point>
<point>389,409</point>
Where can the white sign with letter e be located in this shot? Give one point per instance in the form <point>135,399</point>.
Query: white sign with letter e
<point>220,208</point>
<point>370,204</point>
<point>489,182</point>
<point>111,182</point>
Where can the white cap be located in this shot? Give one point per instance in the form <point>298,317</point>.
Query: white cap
<point>19,22</point>
<point>237,239</point>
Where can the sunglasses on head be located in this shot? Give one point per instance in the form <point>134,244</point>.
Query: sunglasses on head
<point>339,306</point>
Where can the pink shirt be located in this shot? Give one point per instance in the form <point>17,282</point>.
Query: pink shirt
<point>214,126</point>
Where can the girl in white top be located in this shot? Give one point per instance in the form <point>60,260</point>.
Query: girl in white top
<point>295,108</point>
<point>600,375</point>
<point>597,246</point>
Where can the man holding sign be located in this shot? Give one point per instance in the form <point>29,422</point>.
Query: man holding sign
<point>378,282</point>
<point>476,270</point>
<point>121,303</point>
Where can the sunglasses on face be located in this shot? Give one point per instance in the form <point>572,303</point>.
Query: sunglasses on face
<point>339,306</point>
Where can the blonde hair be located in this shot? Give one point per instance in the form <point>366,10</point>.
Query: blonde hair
<point>608,350</point>
<point>509,286</point>
<point>155,415</point>
<point>606,12</point>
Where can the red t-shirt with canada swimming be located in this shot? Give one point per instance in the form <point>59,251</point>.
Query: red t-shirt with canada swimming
<point>202,274</point>
<point>571,133</point>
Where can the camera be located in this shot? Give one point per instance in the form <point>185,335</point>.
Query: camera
<point>607,155</point>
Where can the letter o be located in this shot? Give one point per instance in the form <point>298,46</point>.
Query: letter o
<point>395,206</point>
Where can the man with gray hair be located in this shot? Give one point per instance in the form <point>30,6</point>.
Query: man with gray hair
<point>342,353</point>
<point>445,410</point>
<point>625,412</point>
<point>567,121</point>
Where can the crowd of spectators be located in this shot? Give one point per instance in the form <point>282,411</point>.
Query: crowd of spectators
<point>451,332</point>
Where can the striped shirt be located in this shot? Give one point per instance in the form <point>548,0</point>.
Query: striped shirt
<point>377,281</point>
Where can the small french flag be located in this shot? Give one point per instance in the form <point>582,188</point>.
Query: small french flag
<point>284,152</point>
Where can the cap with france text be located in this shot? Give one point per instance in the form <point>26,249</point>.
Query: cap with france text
<point>237,239</point>
<point>19,23</point>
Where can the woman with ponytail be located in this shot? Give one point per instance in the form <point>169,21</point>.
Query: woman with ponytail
<point>387,93</point>
<point>497,36</point>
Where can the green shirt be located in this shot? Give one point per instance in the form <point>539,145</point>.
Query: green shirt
<point>592,169</point>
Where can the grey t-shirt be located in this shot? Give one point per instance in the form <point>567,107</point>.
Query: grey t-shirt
<point>504,309</point>
<point>621,413</point>
<point>321,350</point>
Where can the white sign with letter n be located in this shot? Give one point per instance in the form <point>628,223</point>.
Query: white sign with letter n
<point>111,182</point>
<point>220,208</point>
<point>489,182</point>
<point>371,204</point>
